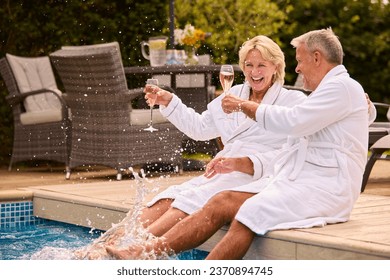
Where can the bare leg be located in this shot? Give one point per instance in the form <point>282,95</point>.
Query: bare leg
<point>170,218</point>
<point>200,226</point>
<point>234,245</point>
<point>194,229</point>
<point>147,217</point>
<point>150,214</point>
<point>113,235</point>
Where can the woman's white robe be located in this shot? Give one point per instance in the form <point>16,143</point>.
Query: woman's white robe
<point>240,135</point>
<point>316,178</point>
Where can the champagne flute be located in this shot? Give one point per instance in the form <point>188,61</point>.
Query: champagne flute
<point>151,104</point>
<point>226,77</point>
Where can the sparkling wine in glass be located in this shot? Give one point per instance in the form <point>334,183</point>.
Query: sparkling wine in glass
<point>151,104</point>
<point>226,77</point>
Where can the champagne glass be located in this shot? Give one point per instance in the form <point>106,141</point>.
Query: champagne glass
<point>226,77</point>
<point>151,104</point>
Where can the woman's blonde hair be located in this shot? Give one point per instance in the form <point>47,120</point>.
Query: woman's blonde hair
<point>269,50</point>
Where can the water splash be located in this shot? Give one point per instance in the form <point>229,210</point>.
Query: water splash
<point>122,235</point>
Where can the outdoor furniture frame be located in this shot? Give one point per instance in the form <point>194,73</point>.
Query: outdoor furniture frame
<point>377,152</point>
<point>100,104</point>
<point>378,130</point>
<point>379,143</point>
<point>39,141</point>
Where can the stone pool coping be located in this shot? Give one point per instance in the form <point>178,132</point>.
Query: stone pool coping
<point>16,195</point>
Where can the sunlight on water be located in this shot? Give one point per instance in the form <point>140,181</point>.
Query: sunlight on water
<point>121,235</point>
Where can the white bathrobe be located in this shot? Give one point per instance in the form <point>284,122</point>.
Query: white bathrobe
<point>240,135</point>
<point>316,178</point>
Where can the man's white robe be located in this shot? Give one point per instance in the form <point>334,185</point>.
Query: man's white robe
<point>316,178</point>
<point>240,135</point>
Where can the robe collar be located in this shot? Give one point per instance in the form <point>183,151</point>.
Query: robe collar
<point>335,71</point>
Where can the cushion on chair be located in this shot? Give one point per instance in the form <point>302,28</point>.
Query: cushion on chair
<point>34,74</point>
<point>45,116</point>
<point>142,117</point>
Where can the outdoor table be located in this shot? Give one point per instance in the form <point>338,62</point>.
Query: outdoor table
<point>175,70</point>
<point>197,96</point>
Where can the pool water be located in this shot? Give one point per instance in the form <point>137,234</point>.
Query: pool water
<point>21,243</point>
<point>58,239</point>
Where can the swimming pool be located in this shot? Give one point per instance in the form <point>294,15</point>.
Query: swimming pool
<point>24,236</point>
<point>23,242</point>
<point>55,240</point>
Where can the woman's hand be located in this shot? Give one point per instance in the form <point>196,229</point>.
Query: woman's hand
<point>220,165</point>
<point>223,165</point>
<point>158,95</point>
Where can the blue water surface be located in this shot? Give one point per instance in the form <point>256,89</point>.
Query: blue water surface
<point>21,243</point>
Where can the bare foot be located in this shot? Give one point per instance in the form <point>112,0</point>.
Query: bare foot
<point>91,254</point>
<point>79,254</point>
<point>114,237</point>
<point>131,253</point>
<point>97,250</point>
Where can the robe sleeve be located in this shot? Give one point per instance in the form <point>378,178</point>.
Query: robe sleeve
<point>323,107</point>
<point>262,162</point>
<point>197,126</point>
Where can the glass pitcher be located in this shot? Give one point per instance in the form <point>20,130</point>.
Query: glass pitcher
<point>157,50</point>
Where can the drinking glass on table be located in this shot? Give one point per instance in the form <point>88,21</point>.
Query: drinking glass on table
<point>226,77</point>
<point>151,104</point>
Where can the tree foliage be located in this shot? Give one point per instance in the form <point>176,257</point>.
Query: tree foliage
<point>231,23</point>
<point>363,29</point>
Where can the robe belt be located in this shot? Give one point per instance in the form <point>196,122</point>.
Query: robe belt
<point>301,157</point>
<point>301,149</point>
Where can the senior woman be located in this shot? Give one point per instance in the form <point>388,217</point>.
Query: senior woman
<point>263,65</point>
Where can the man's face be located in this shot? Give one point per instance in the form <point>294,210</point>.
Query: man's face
<point>306,66</point>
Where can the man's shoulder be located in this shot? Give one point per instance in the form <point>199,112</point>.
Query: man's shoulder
<point>292,93</point>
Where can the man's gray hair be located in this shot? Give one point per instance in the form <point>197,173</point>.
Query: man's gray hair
<point>324,41</point>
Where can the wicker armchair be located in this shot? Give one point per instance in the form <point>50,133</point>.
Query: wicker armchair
<point>105,129</point>
<point>40,114</point>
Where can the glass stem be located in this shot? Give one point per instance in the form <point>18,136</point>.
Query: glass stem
<point>151,116</point>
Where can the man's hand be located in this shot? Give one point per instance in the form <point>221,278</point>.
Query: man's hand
<point>232,103</point>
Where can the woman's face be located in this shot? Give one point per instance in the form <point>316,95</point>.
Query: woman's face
<point>258,72</point>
